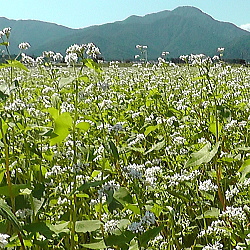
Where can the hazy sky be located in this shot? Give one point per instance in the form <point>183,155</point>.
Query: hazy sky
<point>83,13</point>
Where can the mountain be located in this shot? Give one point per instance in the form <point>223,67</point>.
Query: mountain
<point>184,30</point>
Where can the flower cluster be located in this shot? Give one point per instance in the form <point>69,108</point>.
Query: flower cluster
<point>147,220</point>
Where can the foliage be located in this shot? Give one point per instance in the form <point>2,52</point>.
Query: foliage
<point>144,157</point>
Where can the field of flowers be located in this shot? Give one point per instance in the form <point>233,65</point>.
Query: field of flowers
<point>153,156</point>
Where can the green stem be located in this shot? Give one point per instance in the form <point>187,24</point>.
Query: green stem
<point>8,178</point>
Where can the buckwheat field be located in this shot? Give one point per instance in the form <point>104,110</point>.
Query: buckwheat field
<point>150,156</point>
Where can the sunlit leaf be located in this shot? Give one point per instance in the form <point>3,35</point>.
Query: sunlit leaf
<point>95,245</point>
<point>212,213</point>
<point>92,65</point>
<point>15,189</point>
<point>87,226</point>
<point>150,129</point>
<point>245,169</point>
<point>64,81</point>
<point>156,147</point>
<point>63,123</point>
<point>84,126</point>
<point>204,155</point>
<point>123,195</point>
<point>16,64</point>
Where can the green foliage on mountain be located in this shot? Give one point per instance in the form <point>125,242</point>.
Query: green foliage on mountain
<point>184,30</point>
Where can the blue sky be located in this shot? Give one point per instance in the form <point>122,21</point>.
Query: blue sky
<point>83,13</point>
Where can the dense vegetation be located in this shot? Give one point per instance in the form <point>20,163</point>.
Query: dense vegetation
<point>144,157</point>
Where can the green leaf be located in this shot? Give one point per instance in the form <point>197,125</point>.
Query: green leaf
<point>123,196</point>
<point>15,189</point>
<point>212,128</point>
<point>157,209</point>
<point>96,245</point>
<point>87,226</point>
<point>83,126</point>
<point>5,43</point>
<point>88,185</point>
<point>198,78</point>
<point>6,89</point>
<point>178,195</point>
<point>92,65</point>
<point>114,150</point>
<point>63,81</point>
<point>3,96</point>
<point>84,78</point>
<point>7,213</point>
<point>243,148</point>
<point>134,208</point>
<point>150,129</point>
<point>113,204</point>
<point>62,125</point>
<point>16,64</point>
<point>203,156</point>
<point>212,213</point>
<point>37,204</point>
<point>95,173</point>
<point>59,227</point>
<point>140,150</point>
<point>2,171</point>
<point>121,240</point>
<point>245,169</point>
<point>53,112</point>
<point>40,227</point>
<point>149,235</point>
<point>156,147</point>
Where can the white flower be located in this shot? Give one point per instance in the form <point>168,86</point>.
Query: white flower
<point>92,50</point>
<point>110,226</point>
<point>148,218</point>
<point>111,185</point>
<point>40,60</point>
<point>16,105</point>
<point>6,31</point>
<point>215,58</point>
<point>27,59</point>
<point>48,54</point>
<point>136,227</point>
<point>71,58</point>
<point>24,46</point>
<point>151,175</point>
<point>207,186</point>
<point>139,138</point>
<point>220,50</point>
<point>231,193</point>
<point>234,213</point>
<point>1,34</point>
<point>3,240</point>
<point>216,246</point>
<point>58,57</point>
<point>135,171</point>
<point>117,127</point>
<point>184,57</point>
<point>165,53</point>
<point>23,213</point>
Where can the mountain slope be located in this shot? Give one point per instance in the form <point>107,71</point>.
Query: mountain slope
<point>184,30</point>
